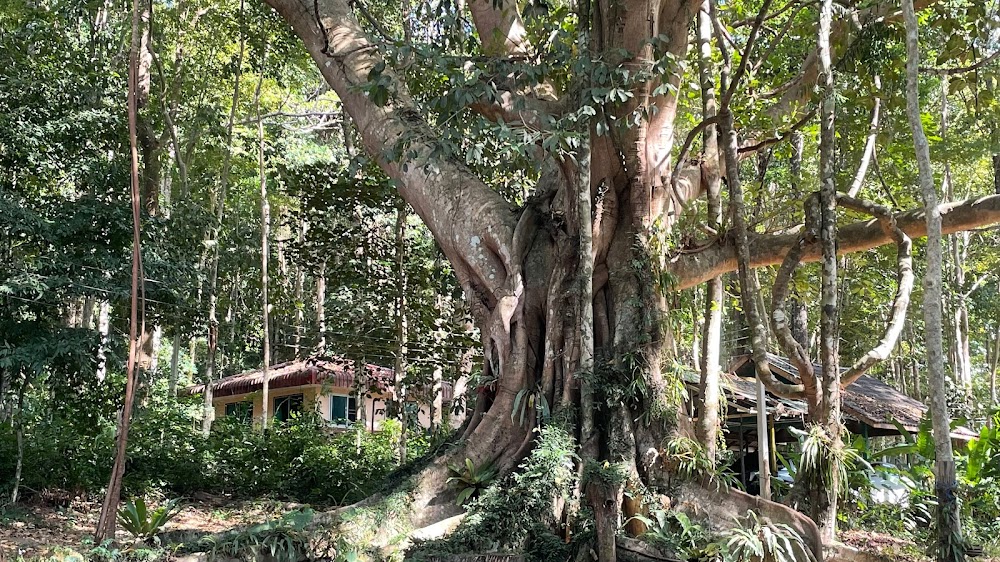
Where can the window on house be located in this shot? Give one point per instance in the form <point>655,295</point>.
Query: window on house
<point>285,406</point>
<point>343,409</point>
<point>241,411</point>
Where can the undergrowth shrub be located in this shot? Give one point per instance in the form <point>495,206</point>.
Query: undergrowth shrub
<point>301,459</point>
<point>515,513</point>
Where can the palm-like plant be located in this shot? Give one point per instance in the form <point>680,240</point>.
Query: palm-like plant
<point>142,523</point>
<point>470,479</point>
<point>757,541</point>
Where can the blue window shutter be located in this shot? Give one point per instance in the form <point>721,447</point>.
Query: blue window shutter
<point>338,408</point>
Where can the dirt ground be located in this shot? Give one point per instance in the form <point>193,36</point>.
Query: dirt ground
<point>35,529</point>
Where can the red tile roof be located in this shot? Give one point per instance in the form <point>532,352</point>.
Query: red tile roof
<point>336,372</point>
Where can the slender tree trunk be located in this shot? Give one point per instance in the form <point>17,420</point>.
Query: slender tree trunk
<point>708,417</point>
<point>869,151</point>
<point>996,173</point>
<point>994,364</point>
<point>175,355</point>
<point>798,310</point>
<point>950,544</point>
<point>825,513</point>
<point>399,369</point>
<point>103,328</point>
<point>208,407</point>
<point>265,233</point>
<point>108,517</point>
<point>961,360</point>
<point>300,278</point>
<point>88,313</point>
<point>19,432</point>
<point>321,307</point>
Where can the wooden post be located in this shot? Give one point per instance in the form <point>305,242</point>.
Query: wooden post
<point>763,458</point>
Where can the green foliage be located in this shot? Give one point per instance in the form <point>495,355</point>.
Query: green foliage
<point>283,539</point>
<point>514,514</point>
<point>675,531</point>
<point>299,459</point>
<point>527,400</point>
<point>753,540</point>
<point>142,523</point>
<point>470,480</point>
<point>984,453</point>
<point>820,462</point>
<point>687,458</point>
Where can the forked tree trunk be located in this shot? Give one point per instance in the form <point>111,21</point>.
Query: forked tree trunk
<point>521,270</point>
<point>949,544</point>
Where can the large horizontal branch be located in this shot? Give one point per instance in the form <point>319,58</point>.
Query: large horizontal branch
<point>769,249</point>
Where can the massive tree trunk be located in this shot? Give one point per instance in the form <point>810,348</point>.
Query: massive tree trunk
<point>521,268</point>
<point>949,545</point>
<point>516,266</point>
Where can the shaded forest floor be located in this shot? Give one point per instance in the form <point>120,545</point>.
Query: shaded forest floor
<point>40,528</point>
<point>36,529</point>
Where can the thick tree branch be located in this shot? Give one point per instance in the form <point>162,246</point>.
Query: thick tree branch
<point>472,223</point>
<point>500,29</point>
<point>769,249</point>
<point>962,69</point>
<point>904,269</point>
<point>796,94</point>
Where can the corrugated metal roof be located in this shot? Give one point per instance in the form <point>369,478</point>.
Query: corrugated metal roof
<point>866,400</point>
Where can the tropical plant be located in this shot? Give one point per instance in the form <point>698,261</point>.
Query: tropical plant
<point>819,459</point>
<point>136,518</point>
<point>470,479</point>
<point>674,530</point>
<point>527,400</point>
<point>753,540</point>
<point>984,453</point>
<point>282,539</point>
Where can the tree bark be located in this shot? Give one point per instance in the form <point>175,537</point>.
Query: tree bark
<point>265,234</point>
<point>799,312</point>
<point>996,173</point>
<point>208,408</point>
<point>708,416</point>
<point>825,503</point>
<point>716,258</point>
<point>521,269</point>
<point>866,156</point>
<point>949,544</point>
<point>175,355</point>
<point>399,369</point>
<point>109,510</point>
<point>994,364</point>
<point>19,437</point>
